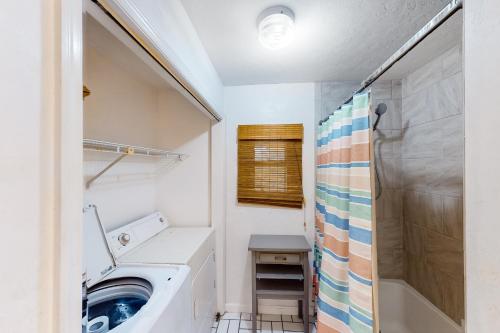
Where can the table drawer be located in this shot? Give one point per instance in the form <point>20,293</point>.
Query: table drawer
<point>278,258</point>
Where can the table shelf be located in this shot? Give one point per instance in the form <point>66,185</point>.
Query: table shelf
<point>270,287</point>
<point>277,271</point>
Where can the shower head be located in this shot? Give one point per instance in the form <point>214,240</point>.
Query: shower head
<point>379,111</point>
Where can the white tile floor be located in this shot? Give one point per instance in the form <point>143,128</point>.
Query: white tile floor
<point>266,323</point>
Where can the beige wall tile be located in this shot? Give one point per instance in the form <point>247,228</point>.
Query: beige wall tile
<point>423,141</point>
<point>452,61</point>
<point>397,86</point>
<point>444,254</point>
<point>392,202</point>
<point>413,112</point>
<point>432,148</point>
<point>390,263</point>
<point>445,177</point>
<point>424,76</point>
<point>453,217</point>
<point>382,144</point>
<point>432,206</point>
<point>431,289</point>
<point>414,176</point>
<point>382,90</point>
<point>453,138</point>
<point>413,239</point>
<point>412,208</point>
<point>415,271</point>
<point>390,172</point>
<point>453,299</point>
<point>445,97</point>
<point>389,231</point>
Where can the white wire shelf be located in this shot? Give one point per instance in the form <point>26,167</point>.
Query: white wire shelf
<point>125,150</point>
<point>119,148</point>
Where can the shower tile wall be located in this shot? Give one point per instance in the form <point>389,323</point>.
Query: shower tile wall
<point>432,163</point>
<point>387,144</point>
<point>419,150</point>
<point>330,94</point>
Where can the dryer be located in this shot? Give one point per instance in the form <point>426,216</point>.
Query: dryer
<point>151,240</point>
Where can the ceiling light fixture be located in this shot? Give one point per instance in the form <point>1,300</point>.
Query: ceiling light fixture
<point>276,27</point>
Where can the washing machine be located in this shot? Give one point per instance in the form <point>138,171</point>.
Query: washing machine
<point>152,240</point>
<point>131,298</point>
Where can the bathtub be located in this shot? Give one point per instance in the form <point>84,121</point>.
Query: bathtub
<point>404,310</point>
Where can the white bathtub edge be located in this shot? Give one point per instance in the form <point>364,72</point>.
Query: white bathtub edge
<point>425,301</point>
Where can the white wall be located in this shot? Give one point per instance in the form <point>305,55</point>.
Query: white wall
<point>125,108</point>
<point>21,206</point>
<point>40,226</point>
<point>482,179</point>
<point>264,104</point>
<point>183,192</point>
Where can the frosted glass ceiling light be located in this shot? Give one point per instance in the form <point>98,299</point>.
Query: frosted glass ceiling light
<point>276,27</point>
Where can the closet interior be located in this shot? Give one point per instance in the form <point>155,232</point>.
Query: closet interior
<point>135,113</point>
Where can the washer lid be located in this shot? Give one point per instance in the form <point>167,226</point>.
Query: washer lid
<point>98,259</point>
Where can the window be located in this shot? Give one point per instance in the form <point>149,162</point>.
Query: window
<point>270,165</point>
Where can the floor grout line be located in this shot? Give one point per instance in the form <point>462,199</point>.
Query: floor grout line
<point>281,321</point>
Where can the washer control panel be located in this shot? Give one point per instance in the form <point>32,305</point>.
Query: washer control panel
<point>133,234</point>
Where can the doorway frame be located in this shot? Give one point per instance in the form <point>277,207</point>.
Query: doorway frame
<point>69,126</point>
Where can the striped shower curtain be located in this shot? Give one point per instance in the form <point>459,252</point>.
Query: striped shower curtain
<point>343,246</point>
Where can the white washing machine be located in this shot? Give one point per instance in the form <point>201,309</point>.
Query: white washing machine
<point>131,298</point>
<point>151,240</point>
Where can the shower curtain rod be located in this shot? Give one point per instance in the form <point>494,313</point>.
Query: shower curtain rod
<point>433,24</point>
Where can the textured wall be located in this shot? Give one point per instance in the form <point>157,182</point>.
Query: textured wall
<point>432,162</point>
<point>387,144</point>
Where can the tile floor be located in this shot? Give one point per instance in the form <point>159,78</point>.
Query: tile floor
<point>266,323</point>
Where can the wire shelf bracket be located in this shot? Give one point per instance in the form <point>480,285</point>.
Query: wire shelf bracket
<point>125,150</point>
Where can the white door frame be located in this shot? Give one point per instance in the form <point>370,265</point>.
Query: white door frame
<point>69,240</point>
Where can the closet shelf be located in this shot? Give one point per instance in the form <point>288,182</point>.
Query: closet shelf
<point>119,148</point>
<point>125,150</point>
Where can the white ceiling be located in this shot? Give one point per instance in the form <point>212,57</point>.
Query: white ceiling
<point>335,39</point>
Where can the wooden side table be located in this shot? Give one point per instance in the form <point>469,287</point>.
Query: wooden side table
<point>280,270</point>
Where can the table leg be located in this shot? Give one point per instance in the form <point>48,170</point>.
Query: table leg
<point>300,307</point>
<point>305,311</point>
<point>254,295</point>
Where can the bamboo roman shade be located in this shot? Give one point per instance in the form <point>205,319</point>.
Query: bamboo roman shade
<point>270,164</point>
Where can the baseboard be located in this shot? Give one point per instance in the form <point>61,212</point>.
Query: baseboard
<point>268,308</point>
